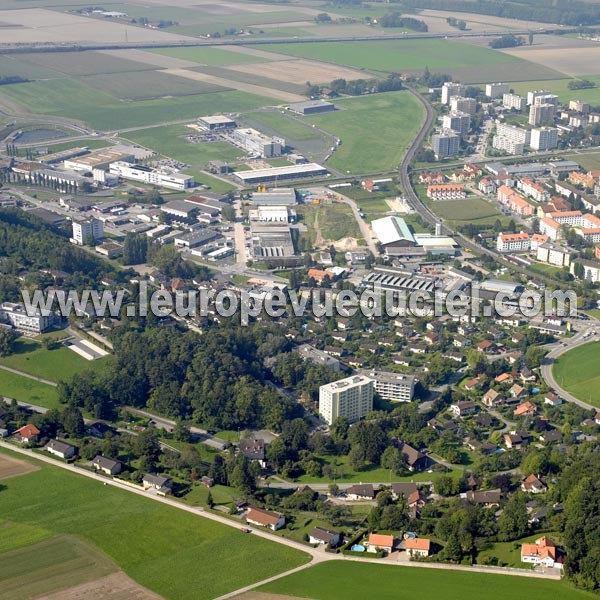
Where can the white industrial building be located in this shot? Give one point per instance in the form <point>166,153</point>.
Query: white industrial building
<point>144,174</point>
<point>101,159</point>
<point>278,174</point>
<point>258,144</point>
<point>271,214</point>
<point>86,231</point>
<point>350,398</point>
<point>211,123</point>
<point>275,197</point>
<point>395,387</point>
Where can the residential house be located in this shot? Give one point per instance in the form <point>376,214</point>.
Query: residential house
<point>417,547</point>
<point>60,449</point>
<point>552,436</point>
<point>515,357</point>
<point>321,536</point>
<point>460,341</point>
<point>527,409</point>
<point>108,466</point>
<point>377,541</point>
<point>265,518</point>
<point>504,378</point>
<point>513,440</point>
<point>487,498</point>
<point>100,430</point>
<point>474,383</point>
<point>517,392</point>
<point>533,485</point>
<point>411,494</point>
<point>26,434</point>
<point>463,409</point>
<point>415,460</point>
<point>487,347</point>
<point>360,491</point>
<point>542,552</point>
<point>552,399</point>
<point>163,485</point>
<point>254,450</point>
<point>492,398</point>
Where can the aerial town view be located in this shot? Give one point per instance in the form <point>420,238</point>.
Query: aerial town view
<point>300,299</point>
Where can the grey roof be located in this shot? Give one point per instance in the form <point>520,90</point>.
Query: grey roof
<point>253,449</point>
<point>361,489</point>
<point>59,446</point>
<point>157,480</point>
<point>105,463</point>
<point>323,534</point>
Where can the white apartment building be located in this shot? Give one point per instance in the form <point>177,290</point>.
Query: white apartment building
<point>174,181</point>
<point>395,387</point>
<point>544,138</point>
<point>533,190</point>
<point>16,315</point>
<point>351,398</point>
<point>542,114</point>
<point>546,99</point>
<point>531,96</point>
<point>86,231</point>
<point>463,104</point>
<point>446,143</point>
<point>257,143</point>
<point>513,242</point>
<point>457,121</point>
<point>496,90</point>
<point>450,89</point>
<point>513,101</point>
<point>507,145</point>
<point>514,133</point>
<point>553,255</point>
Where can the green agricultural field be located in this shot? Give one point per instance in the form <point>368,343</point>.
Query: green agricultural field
<point>170,141</point>
<point>375,131</point>
<point>206,55</point>
<point>28,390</point>
<point>82,63</point>
<point>73,99</point>
<point>356,581</point>
<point>397,55</point>
<point>11,65</point>
<point>561,89</point>
<point>16,535</point>
<point>49,566</point>
<point>577,372</point>
<point>146,85</point>
<point>176,554</point>
<point>58,364</point>
<point>288,127</point>
<point>590,160</point>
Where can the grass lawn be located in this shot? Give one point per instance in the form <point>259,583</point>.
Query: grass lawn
<point>594,312</point>
<point>27,390</point>
<point>16,535</point>
<point>577,372</point>
<point>169,140</point>
<point>590,160</point>
<point>561,89</point>
<point>91,143</point>
<point>55,365</point>
<point>73,99</point>
<point>373,474</point>
<point>176,554</point>
<point>334,221</point>
<point>397,55</point>
<point>470,210</point>
<point>375,130</point>
<point>216,184</point>
<point>356,581</point>
<point>286,126</point>
<point>509,553</point>
<point>215,57</point>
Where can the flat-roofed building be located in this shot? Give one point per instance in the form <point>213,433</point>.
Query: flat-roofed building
<point>17,316</point>
<point>350,398</point>
<point>542,114</point>
<point>393,232</point>
<point>311,107</point>
<point>496,90</point>
<point>257,143</point>
<point>463,104</point>
<point>544,138</point>
<point>275,197</point>
<point>271,241</point>
<point>450,89</point>
<point>211,123</point>
<point>513,101</point>
<point>445,144</point>
<point>395,387</point>
<point>87,230</point>
<point>318,357</point>
<point>271,214</point>
<point>171,180</point>
<point>277,174</point>
<point>459,122</point>
<point>101,159</point>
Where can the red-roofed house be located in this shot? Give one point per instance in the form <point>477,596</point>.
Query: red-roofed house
<point>533,485</point>
<point>265,518</point>
<point>527,409</point>
<point>26,434</point>
<point>541,553</point>
<point>379,541</point>
<point>417,547</point>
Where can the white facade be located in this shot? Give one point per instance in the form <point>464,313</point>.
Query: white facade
<point>17,316</point>
<point>87,231</point>
<point>463,104</point>
<point>513,242</point>
<point>553,255</point>
<point>457,121</point>
<point>174,181</point>
<point>446,143</point>
<point>257,143</point>
<point>507,145</point>
<point>542,114</point>
<point>395,387</point>
<point>450,89</point>
<point>531,96</point>
<point>351,398</point>
<point>496,90</point>
<point>544,138</point>
<point>513,101</point>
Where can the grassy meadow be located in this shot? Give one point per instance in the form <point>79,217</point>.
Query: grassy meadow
<point>577,372</point>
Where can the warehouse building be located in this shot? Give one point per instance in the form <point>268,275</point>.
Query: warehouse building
<point>275,174</point>
<point>101,159</point>
<point>272,214</point>
<point>180,209</point>
<point>393,234</point>
<point>258,144</point>
<point>174,181</point>
<point>272,241</point>
<point>216,122</point>
<point>275,197</point>
<point>311,107</point>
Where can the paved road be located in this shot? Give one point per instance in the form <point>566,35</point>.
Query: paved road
<point>557,351</point>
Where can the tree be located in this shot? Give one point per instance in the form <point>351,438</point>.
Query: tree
<point>513,522</point>
<point>530,38</point>
<point>72,421</point>
<point>391,459</point>
<point>334,489</point>
<point>182,432</point>
<point>452,550</point>
<point>7,338</point>
<point>356,458</point>
<point>209,500</point>
<point>444,485</point>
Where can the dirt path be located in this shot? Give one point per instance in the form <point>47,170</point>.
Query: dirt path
<point>319,239</point>
<point>28,376</point>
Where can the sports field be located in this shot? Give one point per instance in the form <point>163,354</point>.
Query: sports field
<point>170,141</point>
<point>356,581</point>
<point>397,55</point>
<point>577,372</point>
<point>375,130</point>
<point>174,553</point>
